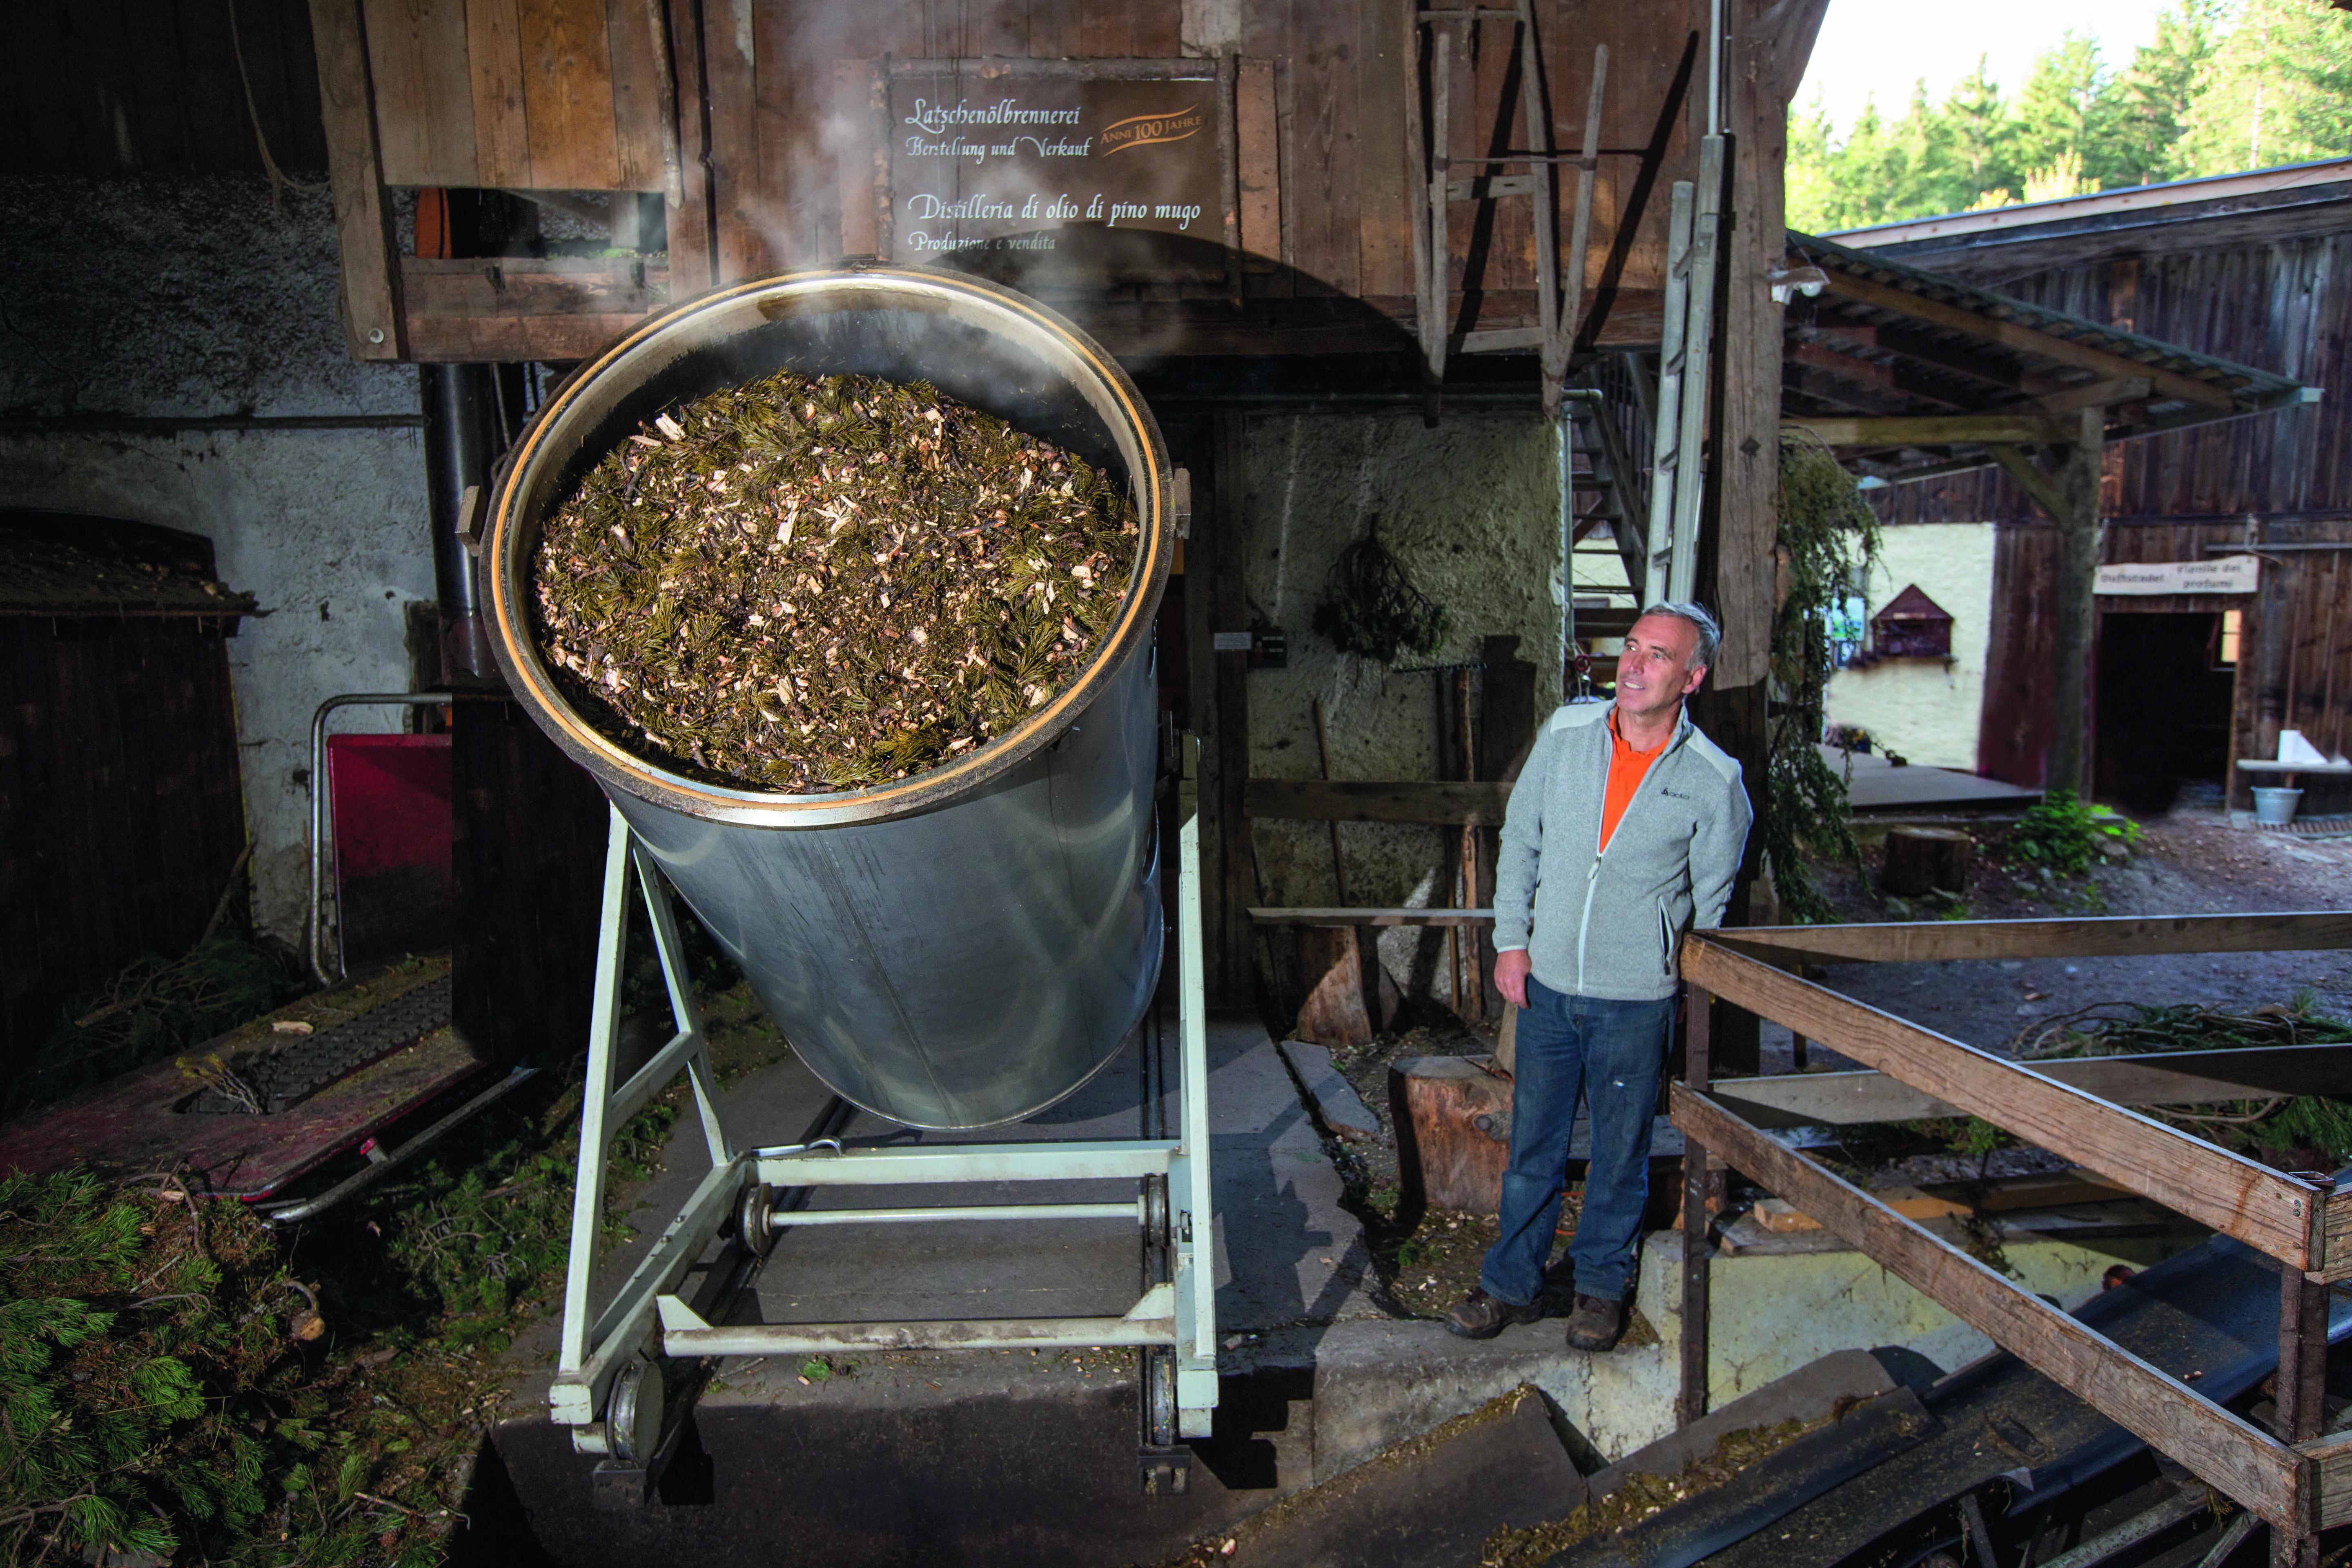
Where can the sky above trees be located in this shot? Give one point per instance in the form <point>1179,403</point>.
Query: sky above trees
<point>2213,87</point>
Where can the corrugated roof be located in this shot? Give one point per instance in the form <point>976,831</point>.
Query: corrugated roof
<point>1886,339</point>
<point>2099,204</point>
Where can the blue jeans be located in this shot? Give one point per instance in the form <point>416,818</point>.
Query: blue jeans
<point>1571,1048</point>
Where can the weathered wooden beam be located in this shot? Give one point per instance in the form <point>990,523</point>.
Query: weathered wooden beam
<point>1933,429</point>
<point>1449,803</point>
<point>2272,1213</point>
<point>1897,378</point>
<point>2126,936</point>
<point>1334,916</point>
<point>364,230</point>
<point>2028,340</point>
<point>2232,1455</point>
<point>2163,1078</point>
<point>2096,394</point>
<point>2043,489</point>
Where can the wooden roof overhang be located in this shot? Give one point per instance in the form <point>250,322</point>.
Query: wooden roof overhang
<point>1909,375</point>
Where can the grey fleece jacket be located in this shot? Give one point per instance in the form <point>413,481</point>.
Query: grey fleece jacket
<point>1605,923</point>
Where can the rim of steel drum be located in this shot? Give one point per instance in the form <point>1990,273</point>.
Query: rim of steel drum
<point>513,529</point>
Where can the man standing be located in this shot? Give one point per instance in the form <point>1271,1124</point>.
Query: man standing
<point>1624,830</point>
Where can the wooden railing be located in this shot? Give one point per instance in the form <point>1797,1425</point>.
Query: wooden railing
<point>2289,1478</point>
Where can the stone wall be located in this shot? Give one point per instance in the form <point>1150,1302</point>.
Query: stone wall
<point>1473,511</point>
<point>128,300</point>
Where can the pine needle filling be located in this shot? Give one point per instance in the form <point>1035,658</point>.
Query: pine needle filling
<point>809,585</point>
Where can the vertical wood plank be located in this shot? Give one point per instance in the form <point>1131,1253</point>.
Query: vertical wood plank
<point>371,317</point>
<point>424,91</point>
<point>1000,27</point>
<point>1053,29</point>
<point>1229,593</point>
<point>501,123</point>
<point>1104,30</point>
<point>637,96</point>
<point>1698,1009</point>
<point>1259,160</point>
<point>220,132</point>
<point>853,154</point>
<point>1157,29</point>
<point>1383,209</point>
<point>1325,232</point>
<point>692,254</point>
<point>730,64</point>
<point>567,90</point>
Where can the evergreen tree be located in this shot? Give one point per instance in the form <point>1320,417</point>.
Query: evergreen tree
<point>2160,89</point>
<point>2067,122</point>
<point>2278,89</point>
<point>1983,138</point>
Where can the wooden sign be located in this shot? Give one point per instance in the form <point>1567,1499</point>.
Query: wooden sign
<point>2229,575</point>
<point>1059,170</point>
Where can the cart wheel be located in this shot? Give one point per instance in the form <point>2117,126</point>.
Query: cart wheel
<point>753,1213</point>
<point>633,1413</point>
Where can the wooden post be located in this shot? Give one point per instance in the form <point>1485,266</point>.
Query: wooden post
<point>1228,592</point>
<point>2302,1392</point>
<point>373,321</point>
<point>1698,1184</point>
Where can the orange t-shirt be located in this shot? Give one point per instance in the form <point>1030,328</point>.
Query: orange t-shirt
<point>1627,769</point>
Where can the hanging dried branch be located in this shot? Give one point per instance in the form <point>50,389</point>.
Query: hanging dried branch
<point>1370,607</point>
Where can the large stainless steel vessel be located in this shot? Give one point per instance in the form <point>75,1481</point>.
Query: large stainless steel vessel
<point>966,946</point>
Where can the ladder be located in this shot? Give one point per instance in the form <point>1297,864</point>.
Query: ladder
<point>1438,181</point>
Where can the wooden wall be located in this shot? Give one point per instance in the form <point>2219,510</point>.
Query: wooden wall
<point>2295,641</point>
<point>2284,307</point>
<point>117,87</point>
<point>1330,79</point>
<point>122,812</point>
<point>545,95</point>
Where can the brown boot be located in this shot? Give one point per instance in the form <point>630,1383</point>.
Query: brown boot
<point>1479,1315</point>
<point>1597,1325</point>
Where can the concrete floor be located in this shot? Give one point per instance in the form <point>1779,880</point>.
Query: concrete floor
<point>1316,1377</point>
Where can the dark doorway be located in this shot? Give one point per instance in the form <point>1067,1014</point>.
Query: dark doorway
<point>2163,708</point>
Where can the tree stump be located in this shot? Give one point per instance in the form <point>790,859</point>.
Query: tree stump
<point>1453,1124</point>
<point>1920,858</point>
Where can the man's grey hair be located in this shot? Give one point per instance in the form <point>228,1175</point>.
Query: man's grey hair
<point>1710,636</point>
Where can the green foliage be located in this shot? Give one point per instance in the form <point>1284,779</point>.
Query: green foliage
<point>1370,607</point>
<point>2278,89</point>
<point>153,1009</point>
<point>132,1333</point>
<point>2220,88</point>
<point>2063,832</point>
<point>1826,538</point>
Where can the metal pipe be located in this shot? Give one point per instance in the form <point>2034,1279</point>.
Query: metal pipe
<point>462,440</point>
<point>2139,1528</point>
<point>1132,1211</point>
<point>972,1334</point>
<point>384,1164</point>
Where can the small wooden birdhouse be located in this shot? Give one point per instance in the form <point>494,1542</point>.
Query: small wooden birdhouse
<point>1912,625</point>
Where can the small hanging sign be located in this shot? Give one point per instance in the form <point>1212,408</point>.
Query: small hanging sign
<point>2228,575</point>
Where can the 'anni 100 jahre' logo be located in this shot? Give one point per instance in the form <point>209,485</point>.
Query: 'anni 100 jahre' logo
<point>1147,129</point>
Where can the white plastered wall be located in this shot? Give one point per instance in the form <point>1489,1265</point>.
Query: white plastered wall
<point>1927,710</point>
<point>1472,510</point>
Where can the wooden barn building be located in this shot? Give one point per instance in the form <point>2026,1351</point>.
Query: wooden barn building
<point>2194,669</point>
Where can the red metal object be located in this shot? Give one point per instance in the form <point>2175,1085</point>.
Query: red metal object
<point>394,827</point>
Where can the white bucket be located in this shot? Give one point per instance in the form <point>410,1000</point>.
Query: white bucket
<point>2275,807</point>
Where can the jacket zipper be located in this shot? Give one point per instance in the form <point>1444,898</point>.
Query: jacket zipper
<point>1592,876</point>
